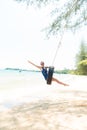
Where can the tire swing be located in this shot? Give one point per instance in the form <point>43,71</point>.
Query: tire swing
<point>51,68</point>
<point>50,75</point>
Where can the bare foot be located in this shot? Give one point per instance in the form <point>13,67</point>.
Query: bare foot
<point>66,84</point>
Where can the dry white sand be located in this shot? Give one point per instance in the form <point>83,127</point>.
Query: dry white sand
<point>47,107</point>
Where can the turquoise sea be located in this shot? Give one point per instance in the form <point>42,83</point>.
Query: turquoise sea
<point>17,87</point>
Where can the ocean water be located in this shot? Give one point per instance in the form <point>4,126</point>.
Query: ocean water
<point>15,85</point>
<point>15,78</point>
<point>26,86</point>
<point>18,87</point>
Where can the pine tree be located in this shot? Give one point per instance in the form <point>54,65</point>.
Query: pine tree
<point>82,59</point>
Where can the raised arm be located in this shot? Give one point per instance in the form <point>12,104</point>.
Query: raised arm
<point>39,67</point>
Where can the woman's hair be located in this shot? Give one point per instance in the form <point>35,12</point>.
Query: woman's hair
<point>41,63</point>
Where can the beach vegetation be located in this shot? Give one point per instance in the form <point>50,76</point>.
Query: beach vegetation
<point>81,59</point>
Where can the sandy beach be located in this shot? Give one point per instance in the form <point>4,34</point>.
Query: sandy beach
<point>55,108</point>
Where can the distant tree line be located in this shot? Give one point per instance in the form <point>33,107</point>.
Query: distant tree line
<point>64,71</point>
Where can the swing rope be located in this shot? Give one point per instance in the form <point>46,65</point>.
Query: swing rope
<point>51,69</point>
<point>59,44</point>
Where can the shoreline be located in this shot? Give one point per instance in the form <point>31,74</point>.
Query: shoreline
<point>51,107</point>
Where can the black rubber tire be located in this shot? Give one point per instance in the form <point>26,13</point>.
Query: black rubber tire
<point>50,75</point>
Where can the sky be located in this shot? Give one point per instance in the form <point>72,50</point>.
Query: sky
<point>22,38</point>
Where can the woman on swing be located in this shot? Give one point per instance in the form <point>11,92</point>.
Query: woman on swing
<point>45,74</point>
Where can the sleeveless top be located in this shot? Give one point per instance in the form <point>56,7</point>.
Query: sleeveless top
<point>44,72</point>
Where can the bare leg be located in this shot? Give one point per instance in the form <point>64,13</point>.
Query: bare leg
<point>56,80</point>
